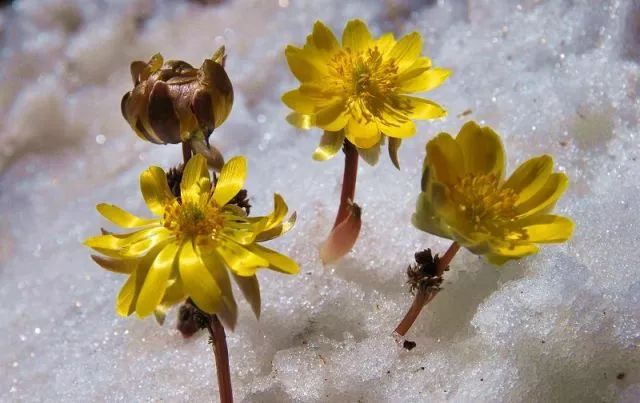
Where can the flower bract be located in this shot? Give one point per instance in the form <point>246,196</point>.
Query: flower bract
<point>466,198</point>
<point>194,245</point>
<point>358,89</point>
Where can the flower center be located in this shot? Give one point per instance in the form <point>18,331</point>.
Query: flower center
<point>485,204</point>
<point>366,80</point>
<point>190,220</point>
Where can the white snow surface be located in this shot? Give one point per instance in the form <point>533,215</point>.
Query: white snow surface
<point>558,77</point>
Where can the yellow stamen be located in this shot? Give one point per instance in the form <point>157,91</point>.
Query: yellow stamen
<point>191,219</point>
<point>369,82</point>
<point>486,205</point>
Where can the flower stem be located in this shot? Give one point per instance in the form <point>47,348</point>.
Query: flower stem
<point>186,152</point>
<point>221,354</point>
<point>348,181</point>
<point>446,259</point>
<point>424,296</point>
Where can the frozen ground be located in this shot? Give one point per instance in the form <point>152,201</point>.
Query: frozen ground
<point>558,77</point>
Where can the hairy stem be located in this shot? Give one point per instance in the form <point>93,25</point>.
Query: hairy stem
<point>424,296</point>
<point>348,181</point>
<point>221,354</point>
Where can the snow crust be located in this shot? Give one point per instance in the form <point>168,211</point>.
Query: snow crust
<point>559,77</point>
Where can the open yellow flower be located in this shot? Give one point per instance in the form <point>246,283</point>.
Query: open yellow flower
<point>193,244</point>
<point>357,90</point>
<point>466,198</point>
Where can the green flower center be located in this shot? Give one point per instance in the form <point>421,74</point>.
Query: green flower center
<point>190,220</point>
<point>486,206</point>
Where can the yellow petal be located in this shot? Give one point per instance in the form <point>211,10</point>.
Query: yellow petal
<point>400,130</point>
<point>332,118</point>
<point>330,144</point>
<point>406,50</point>
<point>474,241</point>
<point>299,102</point>
<point>272,226</point>
<point>276,261</point>
<point>362,134</point>
<point>172,296</point>
<point>229,315</point>
<point>250,288</point>
<point>239,259</point>
<point>121,217</point>
<point>319,92</point>
<point>198,282</point>
<point>438,197</point>
<point>530,177</point>
<point>421,63</point>
<point>231,180</point>
<point>277,230</point>
<point>425,218</point>
<point>323,37</point>
<point>482,150</point>
<point>124,266</point>
<point>545,198</point>
<point>496,259</point>
<point>422,79</point>
<point>244,235</point>
<point>546,228</point>
<point>125,301</point>
<point>218,271</point>
<point>117,245</point>
<point>301,121</point>
<point>502,253</point>
<point>385,43</point>
<point>266,223</point>
<point>422,108</point>
<point>155,190</point>
<point>155,283</point>
<point>302,67</point>
<point>195,179</point>
<point>143,246</point>
<point>445,159</point>
<point>356,36</point>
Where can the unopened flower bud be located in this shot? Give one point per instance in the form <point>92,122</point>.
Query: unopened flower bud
<point>171,101</point>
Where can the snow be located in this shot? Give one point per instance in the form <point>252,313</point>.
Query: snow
<point>550,76</point>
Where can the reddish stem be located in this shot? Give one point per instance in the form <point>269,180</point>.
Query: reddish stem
<point>216,331</point>
<point>446,259</point>
<point>420,300</point>
<point>423,296</point>
<point>186,152</point>
<point>348,181</point>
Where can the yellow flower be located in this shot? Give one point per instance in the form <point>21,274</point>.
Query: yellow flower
<point>358,89</point>
<point>187,249</point>
<point>466,198</point>
<point>172,101</point>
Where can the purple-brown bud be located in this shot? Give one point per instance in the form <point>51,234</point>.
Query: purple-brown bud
<point>172,101</point>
